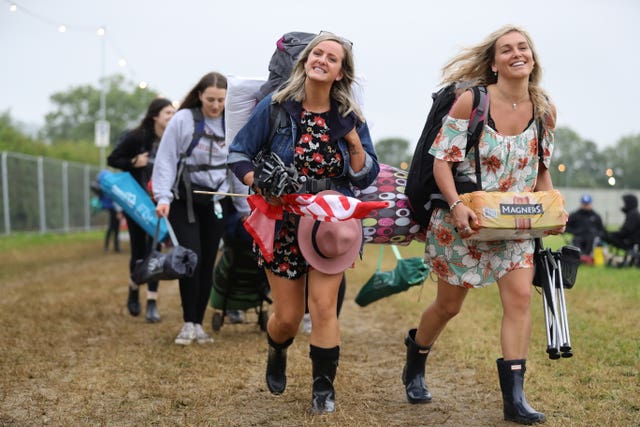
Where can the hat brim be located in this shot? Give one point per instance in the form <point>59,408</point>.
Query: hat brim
<point>332,265</point>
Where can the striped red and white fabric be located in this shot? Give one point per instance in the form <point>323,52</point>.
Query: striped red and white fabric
<point>331,207</point>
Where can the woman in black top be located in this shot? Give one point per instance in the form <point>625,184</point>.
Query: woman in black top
<point>135,153</point>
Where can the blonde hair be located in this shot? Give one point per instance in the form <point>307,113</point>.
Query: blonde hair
<point>340,89</point>
<point>474,64</point>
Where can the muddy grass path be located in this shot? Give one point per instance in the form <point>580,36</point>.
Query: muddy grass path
<point>71,355</point>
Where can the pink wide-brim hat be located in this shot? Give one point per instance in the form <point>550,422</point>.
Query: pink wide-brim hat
<point>330,247</point>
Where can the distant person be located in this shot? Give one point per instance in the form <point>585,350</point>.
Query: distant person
<point>629,234</point>
<point>113,224</point>
<point>586,225</point>
<point>135,153</point>
<point>197,219</point>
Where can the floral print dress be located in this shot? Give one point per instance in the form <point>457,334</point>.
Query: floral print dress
<point>508,163</point>
<point>316,156</point>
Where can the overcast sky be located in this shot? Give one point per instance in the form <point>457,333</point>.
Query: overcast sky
<point>589,50</point>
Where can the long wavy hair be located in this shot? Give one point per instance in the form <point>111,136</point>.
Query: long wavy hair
<point>340,89</point>
<point>473,64</point>
<point>212,79</point>
<point>147,124</point>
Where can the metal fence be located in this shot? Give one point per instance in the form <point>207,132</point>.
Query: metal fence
<point>48,195</point>
<point>40,194</point>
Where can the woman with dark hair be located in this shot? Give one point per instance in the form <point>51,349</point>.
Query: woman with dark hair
<point>135,154</point>
<point>326,140</point>
<point>192,155</point>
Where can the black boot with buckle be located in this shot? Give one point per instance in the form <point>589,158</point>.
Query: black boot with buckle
<point>277,365</point>
<point>414,370</point>
<point>516,407</point>
<point>324,365</point>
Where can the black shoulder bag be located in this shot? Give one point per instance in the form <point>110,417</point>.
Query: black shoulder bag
<point>179,262</point>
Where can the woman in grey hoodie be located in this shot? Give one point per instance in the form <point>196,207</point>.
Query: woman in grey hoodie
<point>192,156</point>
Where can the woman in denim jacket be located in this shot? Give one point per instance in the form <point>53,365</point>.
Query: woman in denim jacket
<point>327,140</point>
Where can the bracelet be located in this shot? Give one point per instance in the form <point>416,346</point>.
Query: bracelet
<point>454,204</point>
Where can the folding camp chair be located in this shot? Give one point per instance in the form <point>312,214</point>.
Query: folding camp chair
<point>555,272</point>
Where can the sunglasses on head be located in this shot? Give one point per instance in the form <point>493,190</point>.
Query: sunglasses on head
<point>342,39</point>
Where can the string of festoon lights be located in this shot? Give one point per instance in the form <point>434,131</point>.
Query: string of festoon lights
<point>98,30</point>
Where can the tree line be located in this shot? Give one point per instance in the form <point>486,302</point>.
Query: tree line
<point>68,133</point>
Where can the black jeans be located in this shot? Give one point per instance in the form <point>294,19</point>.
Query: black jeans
<point>203,237</point>
<point>584,243</point>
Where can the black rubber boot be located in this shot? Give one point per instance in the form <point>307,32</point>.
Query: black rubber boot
<point>516,408</point>
<point>133,302</point>
<point>324,365</point>
<point>277,365</point>
<point>414,370</point>
<point>152,315</point>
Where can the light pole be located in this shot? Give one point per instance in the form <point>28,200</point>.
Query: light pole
<point>102,125</point>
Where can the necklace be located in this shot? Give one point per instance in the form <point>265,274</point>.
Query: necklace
<point>514,104</point>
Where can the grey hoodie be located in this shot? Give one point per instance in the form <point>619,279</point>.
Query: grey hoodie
<point>175,140</point>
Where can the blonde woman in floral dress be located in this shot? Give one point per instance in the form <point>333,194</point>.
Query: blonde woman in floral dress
<point>507,64</point>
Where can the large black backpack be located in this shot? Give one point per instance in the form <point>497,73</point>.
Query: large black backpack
<point>421,190</point>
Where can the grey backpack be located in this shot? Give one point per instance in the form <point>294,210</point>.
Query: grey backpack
<point>288,48</point>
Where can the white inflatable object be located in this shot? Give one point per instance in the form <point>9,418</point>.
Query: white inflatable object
<point>242,97</point>
<point>243,94</point>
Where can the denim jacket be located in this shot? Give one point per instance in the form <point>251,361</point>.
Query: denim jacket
<point>256,132</point>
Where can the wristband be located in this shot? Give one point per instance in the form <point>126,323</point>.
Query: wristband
<point>454,204</point>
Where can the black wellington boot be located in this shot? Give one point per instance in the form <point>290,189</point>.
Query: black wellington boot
<point>277,365</point>
<point>152,315</point>
<point>133,302</point>
<point>516,408</point>
<point>324,365</point>
<point>414,370</point>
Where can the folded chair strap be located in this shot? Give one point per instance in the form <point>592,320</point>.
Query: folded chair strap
<point>396,252</point>
<point>172,235</point>
<point>174,239</point>
<point>379,266</point>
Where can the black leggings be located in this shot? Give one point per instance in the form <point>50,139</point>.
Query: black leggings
<point>203,237</point>
<point>140,243</point>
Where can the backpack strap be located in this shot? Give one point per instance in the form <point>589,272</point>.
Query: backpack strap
<point>183,173</point>
<point>479,112</point>
<point>198,129</point>
<point>277,118</point>
<point>476,123</point>
<point>541,132</point>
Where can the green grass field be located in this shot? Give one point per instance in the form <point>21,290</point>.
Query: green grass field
<point>598,386</point>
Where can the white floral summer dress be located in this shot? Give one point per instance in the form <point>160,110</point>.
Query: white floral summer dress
<point>508,163</point>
